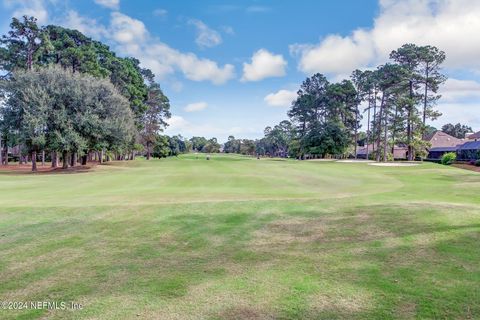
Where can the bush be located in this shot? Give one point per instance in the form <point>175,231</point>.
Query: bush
<point>449,158</point>
<point>477,163</point>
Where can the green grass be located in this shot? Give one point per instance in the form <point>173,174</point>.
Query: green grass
<point>240,238</point>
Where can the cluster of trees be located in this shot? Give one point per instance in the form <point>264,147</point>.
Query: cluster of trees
<point>201,144</point>
<point>70,96</point>
<point>240,146</point>
<point>457,130</point>
<point>277,140</point>
<point>165,146</point>
<point>399,97</point>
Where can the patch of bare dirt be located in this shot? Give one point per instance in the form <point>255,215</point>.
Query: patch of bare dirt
<point>290,231</point>
<point>406,310</point>
<point>243,312</point>
<point>351,229</point>
<point>341,303</point>
<point>46,169</point>
<point>466,166</point>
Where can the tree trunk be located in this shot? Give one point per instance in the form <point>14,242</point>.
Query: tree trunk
<point>409,131</point>
<point>1,152</point>
<point>34,161</point>
<point>368,124</point>
<point>385,139</point>
<point>54,159</point>
<point>43,158</point>
<point>356,131</point>
<point>148,150</point>
<point>84,160</point>
<point>425,100</point>
<point>65,160</point>
<point>6,154</point>
<point>380,127</point>
<point>409,124</point>
<point>73,159</point>
<point>374,120</point>
<point>394,130</point>
<point>101,155</point>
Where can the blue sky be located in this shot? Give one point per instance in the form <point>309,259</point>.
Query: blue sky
<point>232,67</point>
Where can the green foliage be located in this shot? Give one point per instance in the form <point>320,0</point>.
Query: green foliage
<point>198,143</point>
<point>458,130</point>
<point>28,46</point>
<point>58,110</point>
<point>232,145</point>
<point>420,147</point>
<point>158,109</point>
<point>448,158</point>
<point>325,116</point>
<point>212,146</point>
<point>161,148</point>
<point>331,138</point>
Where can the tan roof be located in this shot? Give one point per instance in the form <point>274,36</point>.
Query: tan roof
<point>474,136</point>
<point>441,139</point>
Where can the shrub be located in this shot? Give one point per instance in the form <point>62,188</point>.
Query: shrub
<point>477,163</point>
<point>449,158</point>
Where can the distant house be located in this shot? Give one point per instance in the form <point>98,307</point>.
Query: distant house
<point>400,152</point>
<point>362,151</point>
<point>469,151</point>
<point>442,139</point>
<point>437,153</point>
<point>441,143</point>
<point>474,136</point>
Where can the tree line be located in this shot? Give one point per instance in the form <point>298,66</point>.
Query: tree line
<point>71,97</point>
<point>166,146</point>
<point>398,98</point>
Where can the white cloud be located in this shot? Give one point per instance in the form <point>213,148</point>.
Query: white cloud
<point>206,37</point>
<point>176,123</point>
<point>197,106</point>
<point>335,54</point>
<point>448,24</point>
<point>264,64</point>
<point>455,90</point>
<point>133,39</point>
<point>111,4</point>
<point>228,30</point>
<point>125,29</point>
<point>281,98</point>
<point>35,8</point>
<point>162,13</point>
<point>469,114</point>
<point>83,24</point>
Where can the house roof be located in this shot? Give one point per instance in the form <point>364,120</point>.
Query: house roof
<point>476,135</point>
<point>444,149</point>
<point>363,150</point>
<point>471,145</point>
<point>441,139</point>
